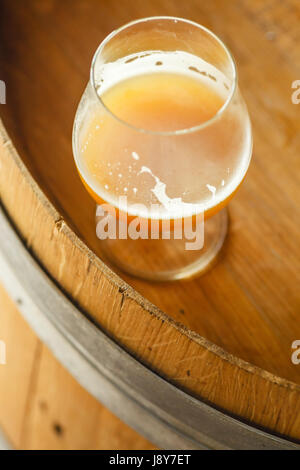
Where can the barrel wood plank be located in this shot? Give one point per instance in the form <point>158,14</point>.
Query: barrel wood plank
<point>42,406</point>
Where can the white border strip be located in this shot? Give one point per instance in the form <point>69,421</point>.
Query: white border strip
<point>4,444</point>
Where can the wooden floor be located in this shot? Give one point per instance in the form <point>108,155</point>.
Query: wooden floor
<point>249,304</point>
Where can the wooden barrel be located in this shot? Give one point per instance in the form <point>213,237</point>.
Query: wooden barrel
<point>204,363</point>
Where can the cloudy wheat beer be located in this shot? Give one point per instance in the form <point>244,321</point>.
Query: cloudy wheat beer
<point>163,134</point>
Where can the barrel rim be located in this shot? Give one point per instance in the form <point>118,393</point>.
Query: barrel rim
<point>124,287</point>
<point>164,414</point>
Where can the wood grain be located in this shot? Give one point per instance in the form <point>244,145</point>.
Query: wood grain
<point>64,416</point>
<point>199,333</point>
<point>22,348</point>
<point>41,406</point>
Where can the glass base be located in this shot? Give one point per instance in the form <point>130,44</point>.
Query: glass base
<point>167,260</point>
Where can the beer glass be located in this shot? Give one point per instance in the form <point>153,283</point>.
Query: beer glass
<point>162,140</point>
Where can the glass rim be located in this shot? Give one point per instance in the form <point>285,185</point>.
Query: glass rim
<point>188,130</point>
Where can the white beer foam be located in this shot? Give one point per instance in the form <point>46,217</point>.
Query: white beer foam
<point>178,62</point>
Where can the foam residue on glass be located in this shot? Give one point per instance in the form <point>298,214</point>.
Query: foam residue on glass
<point>138,161</point>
